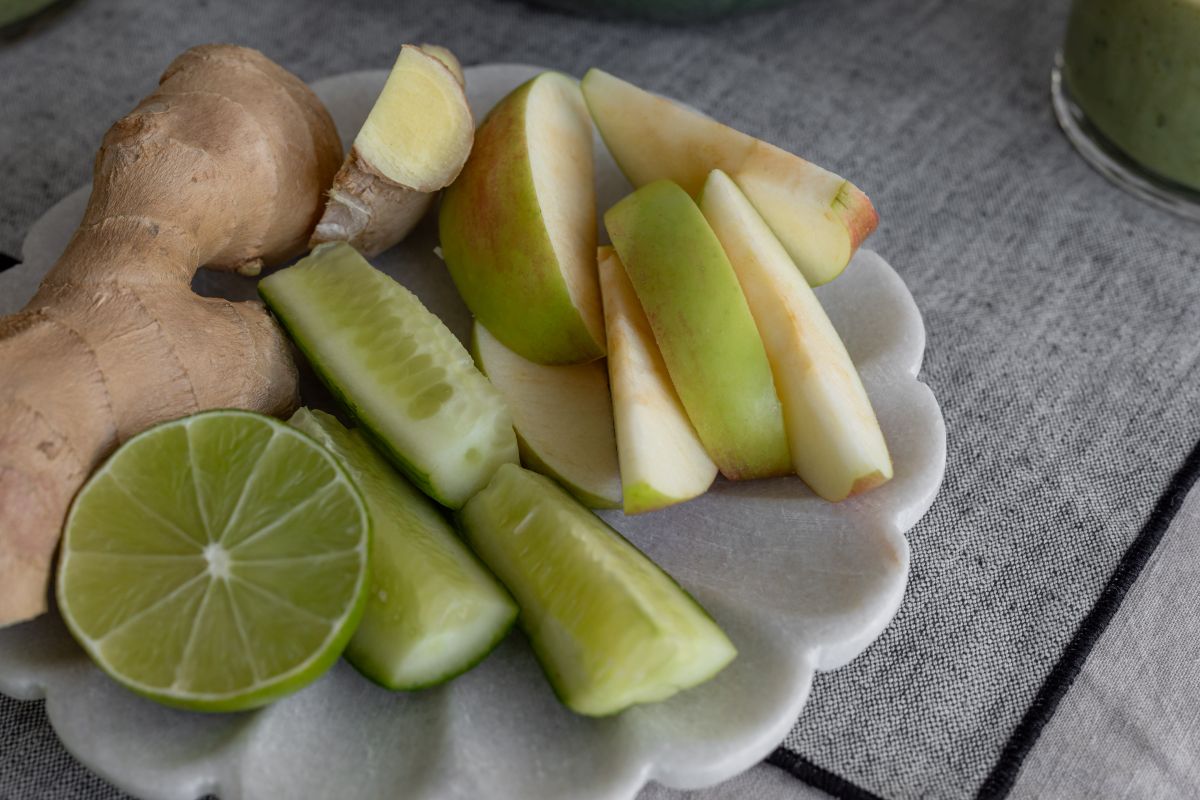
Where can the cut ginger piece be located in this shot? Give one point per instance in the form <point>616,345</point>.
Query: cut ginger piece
<point>444,55</point>
<point>661,458</point>
<point>819,217</point>
<point>414,142</point>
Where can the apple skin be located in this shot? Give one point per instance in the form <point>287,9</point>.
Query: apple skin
<point>662,460</point>
<point>703,327</point>
<point>562,415</point>
<point>820,218</point>
<point>494,235</point>
<point>837,446</point>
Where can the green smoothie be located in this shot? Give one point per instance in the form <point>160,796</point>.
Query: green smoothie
<point>1133,67</point>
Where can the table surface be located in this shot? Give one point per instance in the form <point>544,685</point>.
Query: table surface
<point>939,109</point>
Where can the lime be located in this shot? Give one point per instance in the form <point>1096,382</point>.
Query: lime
<point>216,562</point>
<point>433,611</point>
<point>398,370</point>
<point>609,627</point>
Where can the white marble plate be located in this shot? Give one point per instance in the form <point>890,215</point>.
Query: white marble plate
<point>799,584</point>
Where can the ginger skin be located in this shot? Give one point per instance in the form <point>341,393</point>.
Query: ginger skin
<point>224,166</point>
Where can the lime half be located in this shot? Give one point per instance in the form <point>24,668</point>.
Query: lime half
<point>216,563</point>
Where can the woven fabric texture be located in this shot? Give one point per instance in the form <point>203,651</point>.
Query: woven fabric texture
<point>1061,313</point>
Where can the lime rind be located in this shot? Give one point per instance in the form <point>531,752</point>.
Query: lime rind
<point>151,651</point>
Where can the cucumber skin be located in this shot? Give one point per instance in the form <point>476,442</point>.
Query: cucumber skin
<point>501,634</point>
<point>419,479</point>
<point>365,669</point>
<point>552,678</point>
<point>542,656</point>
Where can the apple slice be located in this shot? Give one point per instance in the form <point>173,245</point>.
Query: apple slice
<point>662,459</point>
<point>518,227</point>
<point>836,444</point>
<point>563,416</point>
<point>703,327</point>
<point>820,218</point>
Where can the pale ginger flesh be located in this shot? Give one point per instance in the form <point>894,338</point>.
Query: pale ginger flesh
<point>223,165</point>
<point>413,143</point>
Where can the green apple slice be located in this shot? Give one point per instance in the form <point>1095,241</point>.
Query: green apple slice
<point>662,459</point>
<point>703,327</point>
<point>836,444</point>
<point>820,218</point>
<point>397,368</point>
<point>433,611</point>
<point>563,416</point>
<point>609,627</point>
<point>518,227</point>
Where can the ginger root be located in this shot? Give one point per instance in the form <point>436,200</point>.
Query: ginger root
<point>224,165</point>
<point>447,58</point>
<point>413,143</point>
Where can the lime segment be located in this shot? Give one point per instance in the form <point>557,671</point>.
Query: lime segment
<point>216,562</point>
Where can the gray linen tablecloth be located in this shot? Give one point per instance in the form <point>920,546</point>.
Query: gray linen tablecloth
<point>1062,318</point>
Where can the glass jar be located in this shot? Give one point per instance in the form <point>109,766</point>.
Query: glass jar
<point>1127,93</point>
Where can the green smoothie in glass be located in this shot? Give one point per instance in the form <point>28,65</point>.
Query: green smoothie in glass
<point>1133,68</point>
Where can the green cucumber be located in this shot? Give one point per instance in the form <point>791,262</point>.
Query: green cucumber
<point>433,611</point>
<point>609,627</point>
<point>397,368</point>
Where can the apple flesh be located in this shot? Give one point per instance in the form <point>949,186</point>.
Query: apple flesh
<point>662,459</point>
<point>703,327</point>
<point>518,227</point>
<point>563,416</point>
<point>819,217</point>
<point>836,444</point>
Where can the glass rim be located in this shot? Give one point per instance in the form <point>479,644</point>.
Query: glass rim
<point>1110,161</point>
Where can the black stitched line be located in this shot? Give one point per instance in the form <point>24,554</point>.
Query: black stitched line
<point>819,777</point>
<point>1003,775</point>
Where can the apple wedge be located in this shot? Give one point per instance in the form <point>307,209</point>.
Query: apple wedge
<point>414,141</point>
<point>703,327</point>
<point>836,444</point>
<point>563,416</point>
<point>820,218</point>
<point>518,227</point>
<point>662,459</point>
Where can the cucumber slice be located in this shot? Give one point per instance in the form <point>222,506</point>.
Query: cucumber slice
<point>397,368</point>
<point>433,611</point>
<point>609,627</point>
